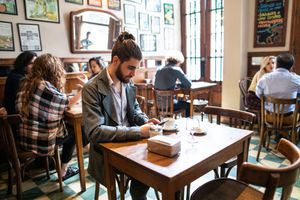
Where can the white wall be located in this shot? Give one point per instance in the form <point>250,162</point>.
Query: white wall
<point>55,37</point>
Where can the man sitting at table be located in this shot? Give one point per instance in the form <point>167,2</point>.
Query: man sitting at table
<point>166,77</point>
<point>110,110</point>
<point>281,83</point>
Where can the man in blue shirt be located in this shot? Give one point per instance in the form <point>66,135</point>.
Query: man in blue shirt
<point>281,83</point>
<point>166,77</point>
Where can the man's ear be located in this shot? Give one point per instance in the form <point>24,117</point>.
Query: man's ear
<point>115,60</point>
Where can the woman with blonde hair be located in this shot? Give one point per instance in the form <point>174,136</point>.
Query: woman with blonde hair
<point>267,66</point>
<point>41,103</point>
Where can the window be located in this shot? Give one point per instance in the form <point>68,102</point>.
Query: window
<point>204,57</point>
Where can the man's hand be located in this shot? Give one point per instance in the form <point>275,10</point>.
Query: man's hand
<point>145,129</point>
<point>153,121</point>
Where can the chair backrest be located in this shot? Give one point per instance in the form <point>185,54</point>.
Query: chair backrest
<point>164,102</point>
<point>270,178</point>
<point>277,118</point>
<point>234,118</point>
<point>142,101</point>
<point>244,84</point>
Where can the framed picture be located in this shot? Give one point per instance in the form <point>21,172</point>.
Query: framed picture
<point>6,37</point>
<point>30,39</point>
<point>155,24</point>
<point>270,23</point>
<point>169,38</point>
<point>153,5</point>
<point>114,4</point>
<point>129,14</point>
<point>133,31</point>
<point>75,1</point>
<point>135,1</point>
<point>8,7</point>
<point>144,22</point>
<point>169,13</point>
<point>148,42</point>
<point>97,3</point>
<point>48,12</point>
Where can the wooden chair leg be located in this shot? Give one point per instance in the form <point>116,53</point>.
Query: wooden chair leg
<point>228,171</point>
<point>216,173</point>
<point>10,181</point>
<point>97,189</point>
<point>46,165</point>
<point>222,171</point>
<point>188,191</point>
<point>58,168</point>
<point>156,194</point>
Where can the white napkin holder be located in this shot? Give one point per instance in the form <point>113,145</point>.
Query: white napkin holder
<point>164,145</point>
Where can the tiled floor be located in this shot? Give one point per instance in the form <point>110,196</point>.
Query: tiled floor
<point>39,188</point>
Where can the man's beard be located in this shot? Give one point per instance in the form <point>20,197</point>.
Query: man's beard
<point>120,76</point>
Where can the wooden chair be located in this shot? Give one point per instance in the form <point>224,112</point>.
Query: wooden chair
<point>164,104</point>
<point>270,178</point>
<point>142,101</point>
<point>233,118</point>
<point>244,84</point>
<point>19,159</point>
<point>276,122</point>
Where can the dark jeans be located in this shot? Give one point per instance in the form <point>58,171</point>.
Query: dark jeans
<point>138,191</point>
<point>182,104</point>
<point>69,143</point>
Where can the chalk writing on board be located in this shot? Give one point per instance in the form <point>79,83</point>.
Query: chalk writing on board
<point>270,23</point>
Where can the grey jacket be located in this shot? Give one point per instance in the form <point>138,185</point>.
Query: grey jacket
<point>100,120</point>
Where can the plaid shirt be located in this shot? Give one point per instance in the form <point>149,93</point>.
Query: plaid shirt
<point>44,122</point>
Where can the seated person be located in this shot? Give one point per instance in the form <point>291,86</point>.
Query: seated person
<point>96,65</point>
<point>42,104</point>
<point>281,83</point>
<point>267,66</point>
<point>166,77</point>
<point>22,66</point>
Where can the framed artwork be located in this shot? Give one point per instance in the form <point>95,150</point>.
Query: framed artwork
<point>114,4</point>
<point>270,23</point>
<point>169,13</point>
<point>155,24</point>
<point>8,7</point>
<point>144,22</point>
<point>169,38</point>
<point>133,31</point>
<point>48,12</point>
<point>75,1</point>
<point>135,1</point>
<point>153,5</point>
<point>129,14</point>
<point>97,3</point>
<point>29,35</point>
<point>148,42</point>
<point>6,37</point>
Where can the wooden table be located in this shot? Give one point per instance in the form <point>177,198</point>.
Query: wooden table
<point>196,89</point>
<point>169,175</point>
<point>73,116</point>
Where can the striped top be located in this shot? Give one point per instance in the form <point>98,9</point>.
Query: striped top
<point>44,122</point>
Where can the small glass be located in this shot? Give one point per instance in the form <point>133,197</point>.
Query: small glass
<point>191,126</point>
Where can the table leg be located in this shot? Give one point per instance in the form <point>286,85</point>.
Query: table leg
<point>78,139</point>
<point>192,104</point>
<point>109,177</point>
<point>243,156</point>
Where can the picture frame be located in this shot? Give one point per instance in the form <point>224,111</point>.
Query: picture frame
<point>148,42</point>
<point>80,2</point>
<point>129,14</point>
<point>135,1</point>
<point>144,23</point>
<point>153,5</point>
<point>169,38</point>
<point>30,37</point>
<point>97,3</point>
<point>155,24</point>
<point>270,33</point>
<point>133,31</point>
<point>169,13</point>
<point>114,4</point>
<point>8,7</point>
<point>6,36</point>
<point>46,13</point>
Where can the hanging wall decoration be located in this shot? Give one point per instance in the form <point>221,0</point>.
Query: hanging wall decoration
<point>169,13</point>
<point>6,37</point>
<point>30,39</point>
<point>8,7</point>
<point>47,10</point>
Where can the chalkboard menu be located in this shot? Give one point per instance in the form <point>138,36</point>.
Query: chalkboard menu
<point>270,23</point>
